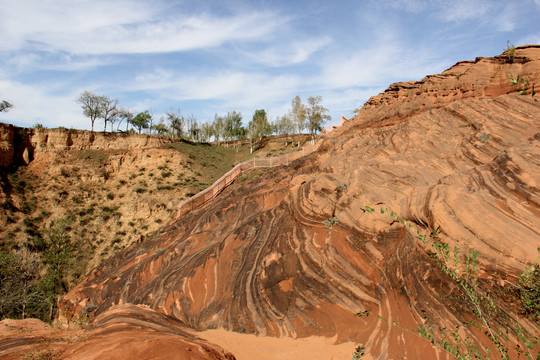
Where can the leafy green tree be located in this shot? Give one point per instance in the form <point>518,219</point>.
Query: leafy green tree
<point>207,131</point>
<point>27,289</point>
<point>316,114</point>
<point>141,120</point>
<point>233,125</point>
<point>20,293</point>
<point>298,115</point>
<point>285,125</point>
<point>91,105</point>
<point>160,128</point>
<point>260,125</point>
<point>58,257</point>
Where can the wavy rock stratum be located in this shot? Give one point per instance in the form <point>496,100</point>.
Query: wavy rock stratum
<point>297,251</point>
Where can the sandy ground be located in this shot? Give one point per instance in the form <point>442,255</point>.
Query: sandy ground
<point>248,346</point>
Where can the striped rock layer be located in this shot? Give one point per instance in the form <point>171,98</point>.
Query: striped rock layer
<point>297,251</point>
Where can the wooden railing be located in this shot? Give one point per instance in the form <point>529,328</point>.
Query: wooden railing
<point>211,192</point>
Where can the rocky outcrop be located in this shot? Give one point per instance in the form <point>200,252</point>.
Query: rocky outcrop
<point>301,249</point>
<point>15,147</point>
<point>7,142</point>
<point>19,146</point>
<point>123,332</point>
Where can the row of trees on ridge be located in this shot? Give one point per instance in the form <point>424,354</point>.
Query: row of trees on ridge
<point>227,127</point>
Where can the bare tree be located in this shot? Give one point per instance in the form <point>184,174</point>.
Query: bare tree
<point>5,106</point>
<point>193,127</point>
<point>176,122</point>
<point>298,114</point>
<point>124,114</point>
<point>109,109</point>
<point>151,121</point>
<point>91,105</point>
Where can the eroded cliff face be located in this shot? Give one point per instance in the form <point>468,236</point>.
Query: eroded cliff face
<point>19,146</point>
<point>298,251</point>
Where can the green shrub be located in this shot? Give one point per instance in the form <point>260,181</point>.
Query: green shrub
<point>529,292</point>
<point>510,52</point>
<point>330,221</point>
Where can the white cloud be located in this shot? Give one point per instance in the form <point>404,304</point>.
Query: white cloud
<point>100,27</point>
<point>378,65</point>
<point>22,62</point>
<point>283,54</point>
<point>238,88</point>
<point>43,22</point>
<point>37,105</point>
<point>459,10</point>
<point>450,11</point>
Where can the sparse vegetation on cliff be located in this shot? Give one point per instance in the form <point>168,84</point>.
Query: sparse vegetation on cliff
<point>510,52</point>
<point>491,318</point>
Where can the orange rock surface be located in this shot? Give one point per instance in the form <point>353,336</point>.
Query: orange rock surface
<point>297,252</point>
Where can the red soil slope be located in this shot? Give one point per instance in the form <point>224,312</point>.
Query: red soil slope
<point>297,252</point>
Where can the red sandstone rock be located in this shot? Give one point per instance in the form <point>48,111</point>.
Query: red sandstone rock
<point>122,332</point>
<point>458,152</point>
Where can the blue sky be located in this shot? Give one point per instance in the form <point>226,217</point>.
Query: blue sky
<point>207,57</point>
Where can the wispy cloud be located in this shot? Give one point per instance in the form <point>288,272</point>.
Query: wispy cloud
<point>284,54</point>
<point>98,27</point>
<point>42,24</point>
<point>456,11</point>
<point>21,62</point>
<point>35,104</point>
<point>238,88</point>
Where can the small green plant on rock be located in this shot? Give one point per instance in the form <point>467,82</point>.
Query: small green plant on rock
<point>359,352</point>
<point>485,137</point>
<point>493,321</point>
<point>330,221</point>
<point>510,52</point>
<point>516,81</point>
<point>529,292</point>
